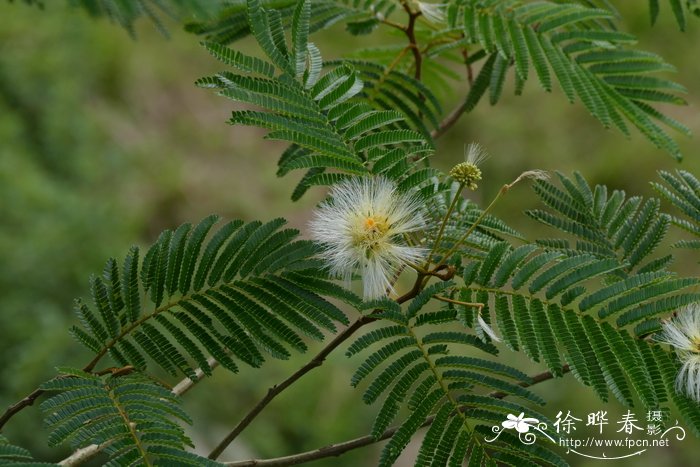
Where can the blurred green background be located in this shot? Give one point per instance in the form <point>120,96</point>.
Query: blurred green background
<point>104,142</point>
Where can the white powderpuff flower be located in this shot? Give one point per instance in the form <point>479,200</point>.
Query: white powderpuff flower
<point>360,229</point>
<point>683,333</point>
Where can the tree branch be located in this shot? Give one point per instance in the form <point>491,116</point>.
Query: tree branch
<point>82,455</point>
<point>315,362</point>
<point>186,383</point>
<point>337,449</point>
<point>410,32</point>
<point>458,111</point>
<point>450,120</point>
<point>19,405</point>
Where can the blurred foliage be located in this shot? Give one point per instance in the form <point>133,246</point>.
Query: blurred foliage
<point>81,102</point>
<point>127,12</point>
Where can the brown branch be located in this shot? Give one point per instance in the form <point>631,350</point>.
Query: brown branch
<point>458,111</point>
<point>470,72</point>
<point>274,391</point>
<point>450,120</point>
<point>337,449</point>
<point>19,405</point>
<point>315,362</point>
<point>392,24</point>
<point>410,32</point>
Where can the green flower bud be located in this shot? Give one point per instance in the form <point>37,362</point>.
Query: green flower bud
<point>467,174</point>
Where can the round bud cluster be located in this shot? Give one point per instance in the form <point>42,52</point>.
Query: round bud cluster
<point>467,174</point>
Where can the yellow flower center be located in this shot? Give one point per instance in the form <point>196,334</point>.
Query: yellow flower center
<point>375,227</point>
<point>695,343</point>
<point>371,230</point>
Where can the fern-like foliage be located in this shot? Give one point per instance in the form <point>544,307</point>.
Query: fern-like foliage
<point>135,419</point>
<point>683,191</point>
<point>576,45</point>
<point>313,110</point>
<point>251,289</point>
<point>681,9</point>
<point>125,13</point>
<point>15,456</point>
<point>581,303</point>
<point>626,229</point>
<point>422,360</point>
<point>566,306</point>
<point>679,13</point>
<point>387,88</point>
<point>576,307</point>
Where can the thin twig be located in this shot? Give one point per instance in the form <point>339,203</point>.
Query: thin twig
<point>458,111</point>
<point>90,367</point>
<point>337,449</point>
<point>504,189</point>
<point>19,405</point>
<point>458,302</point>
<point>274,391</point>
<point>187,383</point>
<point>450,120</point>
<point>393,24</point>
<point>470,72</point>
<point>83,455</point>
<point>315,362</point>
<point>445,220</point>
<point>410,32</point>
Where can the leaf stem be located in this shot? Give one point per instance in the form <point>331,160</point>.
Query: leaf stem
<point>446,219</point>
<point>458,302</point>
<point>504,189</point>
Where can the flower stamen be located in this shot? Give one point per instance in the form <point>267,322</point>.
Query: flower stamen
<point>683,333</point>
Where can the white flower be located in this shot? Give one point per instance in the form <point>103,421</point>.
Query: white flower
<point>520,423</point>
<point>486,328</point>
<point>433,12</point>
<point>683,333</point>
<point>361,228</point>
